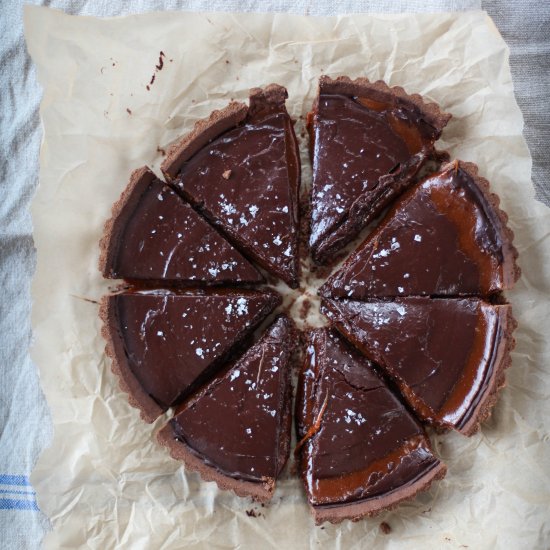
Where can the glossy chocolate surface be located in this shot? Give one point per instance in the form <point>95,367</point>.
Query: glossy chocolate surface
<point>238,423</point>
<point>172,341</point>
<point>443,237</point>
<point>165,239</point>
<point>246,181</point>
<point>359,441</point>
<point>442,353</point>
<point>364,153</point>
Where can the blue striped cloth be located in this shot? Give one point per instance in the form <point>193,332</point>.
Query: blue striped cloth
<point>16,493</point>
<point>24,423</point>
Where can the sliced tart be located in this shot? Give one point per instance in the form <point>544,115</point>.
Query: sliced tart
<point>236,430</point>
<point>368,141</point>
<point>447,356</point>
<point>241,169</point>
<point>444,237</point>
<point>361,452</point>
<point>155,236</point>
<point>165,344</point>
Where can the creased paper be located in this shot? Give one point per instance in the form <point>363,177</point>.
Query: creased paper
<point>104,482</point>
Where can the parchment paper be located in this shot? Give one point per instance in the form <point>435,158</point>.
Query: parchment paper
<point>104,482</point>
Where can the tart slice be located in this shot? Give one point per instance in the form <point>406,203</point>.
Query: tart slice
<point>446,236</point>
<point>154,235</point>
<point>361,452</point>
<point>165,344</point>
<point>367,143</point>
<point>447,356</point>
<point>236,430</point>
<point>241,168</point>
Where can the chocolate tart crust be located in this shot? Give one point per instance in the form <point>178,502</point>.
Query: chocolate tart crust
<point>511,272</point>
<point>128,383</point>
<point>208,129</point>
<point>259,491</point>
<point>485,406</point>
<point>374,506</point>
<point>204,131</point>
<point>380,91</point>
<point>121,210</point>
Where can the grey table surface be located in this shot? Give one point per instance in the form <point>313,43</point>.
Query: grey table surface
<point>25,426</point>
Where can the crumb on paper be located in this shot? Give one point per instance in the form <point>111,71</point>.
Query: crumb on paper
<point>226,175</point>
<point>128,111</point>
<point>160,64</point>
<point>161,150</point>
<point>252,513</point>
<point>385,528</point>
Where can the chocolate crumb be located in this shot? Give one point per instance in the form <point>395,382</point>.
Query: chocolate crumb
<point>161,151</point>
<point>171,60</point>
<point>128,111</point>
<point>385,528</point>
<point>227,61</point>
<point>251,513</point>
<point>152,80</point>
<point>147,87</point>
<point>226,175</point>
<point>160,64</point>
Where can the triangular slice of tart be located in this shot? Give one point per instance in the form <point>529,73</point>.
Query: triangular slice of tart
<point>447,356</point>
<point>444,237</point>
<point>236,430</point>
<point>368,141</point>
<point>361,451</point>
<point>241,168</point>
<point>154,235</point>
<point>165,344</point>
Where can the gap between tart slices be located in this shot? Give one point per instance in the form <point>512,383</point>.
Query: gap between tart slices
<point>154,391</point>
<point>218,165</point>
<point>361,452</point>
<point>340,208</point>
<point>155,238</point>
<point>248,401</point>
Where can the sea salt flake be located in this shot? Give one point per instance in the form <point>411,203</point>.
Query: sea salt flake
<point>417,238</point>
<point>234,375</point>
<point>200,352</point>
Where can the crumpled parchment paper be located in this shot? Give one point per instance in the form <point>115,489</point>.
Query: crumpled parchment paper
<point>104,482</point>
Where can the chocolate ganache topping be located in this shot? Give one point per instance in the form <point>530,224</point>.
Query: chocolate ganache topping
<point>154,235</point>
<point>446,236</point>
<point>238,426</point>
<point>361,451</point>
<point>246,180</point>
<point>447,356</point>
<point>368,141</point>
<point>165,344</point>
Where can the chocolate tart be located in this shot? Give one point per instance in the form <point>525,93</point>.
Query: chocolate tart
<point>236,430</point>
<point>361,451</point>
<point>241,169</point>
<point>446,356</point>
<point>446,236</point>
<point>367,143</point>
<point>154,235</point>
<point>165,344</point>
